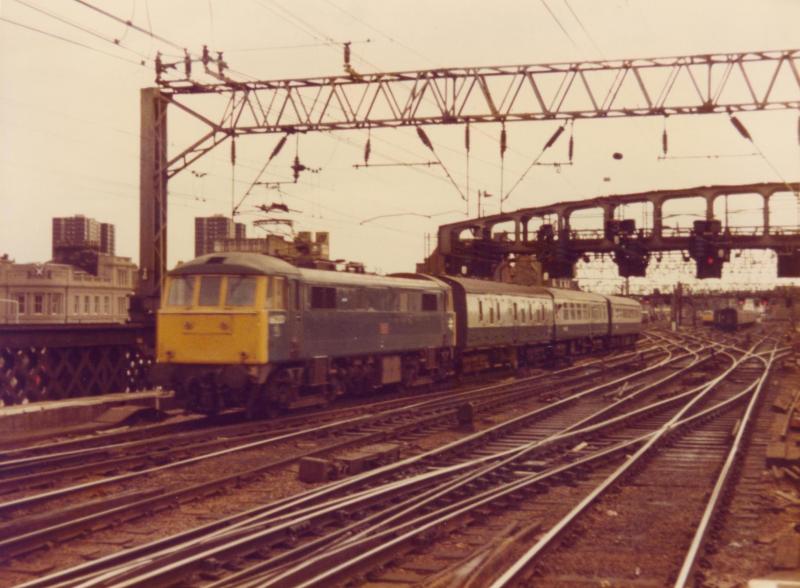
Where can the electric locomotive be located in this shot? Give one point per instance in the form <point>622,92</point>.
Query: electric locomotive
<point>247,329</point>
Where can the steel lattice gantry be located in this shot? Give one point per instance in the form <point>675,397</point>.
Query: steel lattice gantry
<point>694,84</point>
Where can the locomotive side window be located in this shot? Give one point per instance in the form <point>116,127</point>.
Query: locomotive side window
<point>429,302</point>
<point>277,292</point>
<point>210,288</point>
<point>241,291</point>
<point>323,297</point>
<point>181,289</point>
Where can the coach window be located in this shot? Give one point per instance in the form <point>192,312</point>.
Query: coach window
<point>429,302</point>
<point>210,288</point>
<point>180,291</point>
<point>241,291</point>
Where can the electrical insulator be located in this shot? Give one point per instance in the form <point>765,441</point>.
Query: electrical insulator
<point>424,138</point>
<point>503,141</point>
<point>554,138</point>
<point>278,147</point>
<point>466,137</point>
<point>741,128</point>
<point>664,144</point>
<point>347,53</point>
<point>233,151</point>
<point>571,147</point>
<point>367,149</point>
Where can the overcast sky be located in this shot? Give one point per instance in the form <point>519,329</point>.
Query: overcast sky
<point>69,115</point>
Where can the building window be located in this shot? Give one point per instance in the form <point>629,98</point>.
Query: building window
<point>106,304</point>
<point>38,303</point>
<point>122,277</point>
<point>21,303</point>
<point>97,305</point>
<point>55,303</point>
<point>122,305</point>
<point>76,308</point>
<point>87,305</point>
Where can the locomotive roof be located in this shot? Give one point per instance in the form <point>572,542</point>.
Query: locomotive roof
<point>260,264</point>
<point>236,263</point>
<point>325,277</point>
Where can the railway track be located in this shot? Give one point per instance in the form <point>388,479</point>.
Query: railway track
<point>27,513</point>
<point>284,521</point>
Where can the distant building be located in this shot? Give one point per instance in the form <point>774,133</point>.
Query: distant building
<point>81,233</point>
<point>306,249</point>
<point>209,229</point>
<point>55,292</point>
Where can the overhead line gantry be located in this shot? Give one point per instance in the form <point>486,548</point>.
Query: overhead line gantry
<point>681,85</point>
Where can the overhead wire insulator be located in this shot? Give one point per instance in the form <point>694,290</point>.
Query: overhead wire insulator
<point>503,141</point>
<point>741,128</point>
<point>233,150</point>
<point>466,137</point>
<point>571,148</point>
<point>664,142</point>
<point>424,138</point>
<point>551,141</point>
<point>367,149</point>
<point>278,147</point>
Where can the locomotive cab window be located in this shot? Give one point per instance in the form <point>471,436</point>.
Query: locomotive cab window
<point>429,302</point>
<point>241,291</point>
<point>210,288</point>
<point>181,289</point>
<point>323,297</point>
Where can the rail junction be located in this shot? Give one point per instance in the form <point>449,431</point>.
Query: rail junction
<point>504,484</point>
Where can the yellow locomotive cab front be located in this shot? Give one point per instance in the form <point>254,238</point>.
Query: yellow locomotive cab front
<point>213,320</point>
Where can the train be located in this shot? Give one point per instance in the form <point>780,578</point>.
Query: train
<point>254,331</point>
<point>732,319</point>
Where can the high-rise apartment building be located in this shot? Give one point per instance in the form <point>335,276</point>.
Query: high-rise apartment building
<point>209,229</point>
<point>80,233</point>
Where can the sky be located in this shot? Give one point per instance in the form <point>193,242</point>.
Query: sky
<point>69,118</point>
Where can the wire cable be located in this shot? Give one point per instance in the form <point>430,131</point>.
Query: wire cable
<point>115,42</point>
<point>70,41</point>
<point>558,22</point>
<point>585,30</point>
